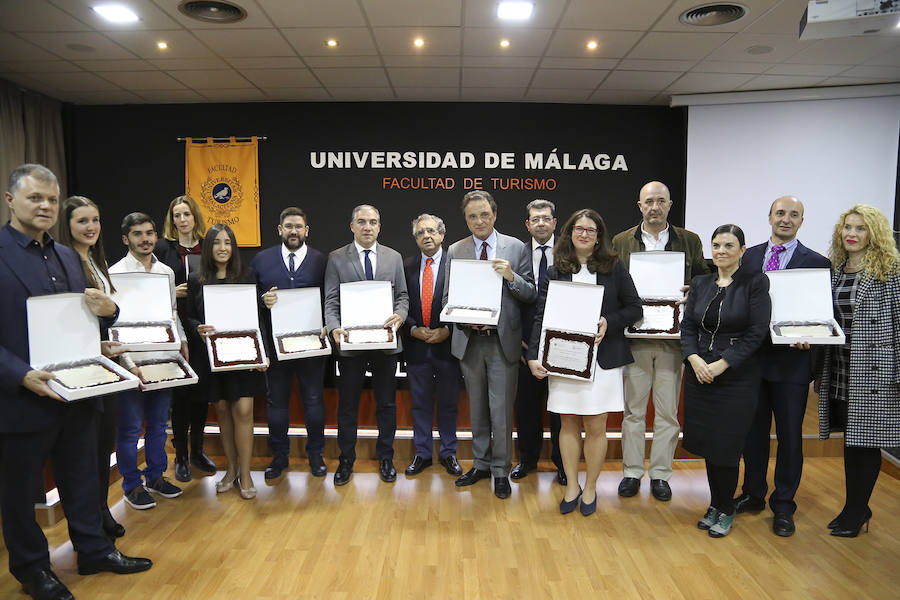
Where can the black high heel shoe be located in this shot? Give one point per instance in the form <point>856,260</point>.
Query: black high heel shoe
<point>567,506</point>
<point>836,522</point>
<point>847,531</point>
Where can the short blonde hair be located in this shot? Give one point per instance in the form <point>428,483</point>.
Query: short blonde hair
<point>170,232</point>
<point>881,259</point>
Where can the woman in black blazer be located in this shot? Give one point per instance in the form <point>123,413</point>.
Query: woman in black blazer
<point>725,320</point>
<point>584,253</point>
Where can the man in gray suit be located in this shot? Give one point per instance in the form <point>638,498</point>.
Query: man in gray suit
<point>365,259</point>
<point>489,356</point>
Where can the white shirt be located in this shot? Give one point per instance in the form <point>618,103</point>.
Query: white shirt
<point>435,268</point>
<point>491,242</point>
<point>651,243</point>
<point>362,256</point>
<point>536,254</point>
<point>299,255</point>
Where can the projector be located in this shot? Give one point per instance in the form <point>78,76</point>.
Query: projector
<point>844,18</point>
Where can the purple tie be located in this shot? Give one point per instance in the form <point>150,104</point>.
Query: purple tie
<point>774,264</point>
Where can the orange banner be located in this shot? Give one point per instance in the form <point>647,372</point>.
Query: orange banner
<point>224,180</point>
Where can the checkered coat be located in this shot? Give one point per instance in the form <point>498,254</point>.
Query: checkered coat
<point>873,416</point>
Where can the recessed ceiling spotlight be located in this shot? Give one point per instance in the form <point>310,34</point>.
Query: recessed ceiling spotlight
<point>162,45</point>
<point>418,42</point>
<point>212,11</point>
<point>504,43</point>
<point>332,43</point>
<point>515,11</point>
<point>115,13</point>
<point>710,15</point>
<point>592,45</point>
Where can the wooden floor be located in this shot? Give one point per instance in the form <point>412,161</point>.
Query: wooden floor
<point>424,538</point>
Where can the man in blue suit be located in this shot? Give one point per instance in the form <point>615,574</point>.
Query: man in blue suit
<point>786,374</point>
<point>35,424</point>
<point>292,264</point>
<point>430,367</point>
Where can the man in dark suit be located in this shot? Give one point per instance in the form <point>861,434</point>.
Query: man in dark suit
<point>292,264</point>
<point>35,424</point>
<point>489,355</point>
<point>361,260</point>
<point>786,374</point>
<point>430,367</point>
<point>540,221</point>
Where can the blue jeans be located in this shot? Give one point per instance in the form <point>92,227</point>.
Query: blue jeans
<point>135,407</point>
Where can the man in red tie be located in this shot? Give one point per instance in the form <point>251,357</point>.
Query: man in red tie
<point>432,371</point>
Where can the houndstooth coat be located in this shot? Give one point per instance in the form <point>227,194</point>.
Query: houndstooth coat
<point>873,415</point>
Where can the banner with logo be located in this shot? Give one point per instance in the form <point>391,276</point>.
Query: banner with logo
<point>223,177</point>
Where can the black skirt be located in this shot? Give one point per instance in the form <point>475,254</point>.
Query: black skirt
<point>718,415</point>
<point>232,385</point>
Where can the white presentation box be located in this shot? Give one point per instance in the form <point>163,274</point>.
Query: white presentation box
<point>365,306</point>
<point>475,294</point>
<point>571,313</point>
<point>145,312</point>
<point>297,324</point>
<point>233,310</point>
<point>153,361</point>
<point>801,298</point>
<point>658,277</point>
<point>62,334</point>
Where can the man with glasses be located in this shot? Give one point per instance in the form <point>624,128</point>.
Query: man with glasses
<point>657,363</point>
<point>432,371</point>
<point>540,221</point>
<point>364,259</point>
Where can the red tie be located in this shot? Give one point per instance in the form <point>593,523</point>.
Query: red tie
<point>427,292</point>
<point>483,251</point>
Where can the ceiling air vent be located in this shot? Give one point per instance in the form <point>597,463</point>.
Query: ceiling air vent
<point>710,15</point>
<point>212,11</point>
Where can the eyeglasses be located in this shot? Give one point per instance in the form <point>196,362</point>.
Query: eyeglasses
<point>541,219</point>
<point>428,230</point>
<point>579,230</point>
<point>292,227</point>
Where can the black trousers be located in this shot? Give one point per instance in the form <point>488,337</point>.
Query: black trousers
<point>107,422</point>
<point>531,399</point>
<point>384,384</point>
<point>71,443</point>
<point>310,373</point>
<point>188,415</point>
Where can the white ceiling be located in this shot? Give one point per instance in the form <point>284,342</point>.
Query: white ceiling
<point>278,53</point>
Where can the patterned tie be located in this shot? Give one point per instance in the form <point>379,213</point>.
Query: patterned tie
<point>368,265</point>
<point>774,264</point>
<point>427,292</point>
<point>291,263</point>
<point>542,266</point>
<point>483,251</point>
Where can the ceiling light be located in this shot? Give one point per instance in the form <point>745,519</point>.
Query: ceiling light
<point>710,15</point>
<point>592,45</point>
<point>504,43</point>
<point>212,11</point>
<point>759,49</point>
<point>515,11</point>
<point>331,43</point>
<point>115,13</point>
<point>162,45</point>
<point>418,42</point>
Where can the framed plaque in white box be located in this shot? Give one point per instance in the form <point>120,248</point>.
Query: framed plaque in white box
<point>64,339</point>
<point>658,277</point>
<point>365,306</point>
<point>571,313</point>
<point>161,370</point>
<point>145,312</point>
<point>237,342</point>
<point>802,309</point>
<point>297,324</point>
<point>475,293</point>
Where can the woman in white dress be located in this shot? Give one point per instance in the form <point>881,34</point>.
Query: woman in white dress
<point>584,253</point>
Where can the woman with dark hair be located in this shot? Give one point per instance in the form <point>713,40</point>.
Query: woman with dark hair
<point>858,383</point>
<point>584,253</point>
<point>231,391</point>
<point>80,229</point>
<point>182,236</point>
<point>725,321</point>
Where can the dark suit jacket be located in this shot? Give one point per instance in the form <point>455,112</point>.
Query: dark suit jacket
<point>414,350</point>
<point>22,411</point>
<point>271,272</point>
<point>167,252</point>
<point>621,307</point>
<point>783,363</point>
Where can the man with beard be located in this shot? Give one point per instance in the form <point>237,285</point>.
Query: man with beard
<point>292,264</point>
<point>135,406</point>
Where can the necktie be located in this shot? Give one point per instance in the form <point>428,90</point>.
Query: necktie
<point>291,263</point>
<point>427,292</point>
<point>483,251</point>
<point>368,265</point>
<point>542,266</point>
<point>774,263</point>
